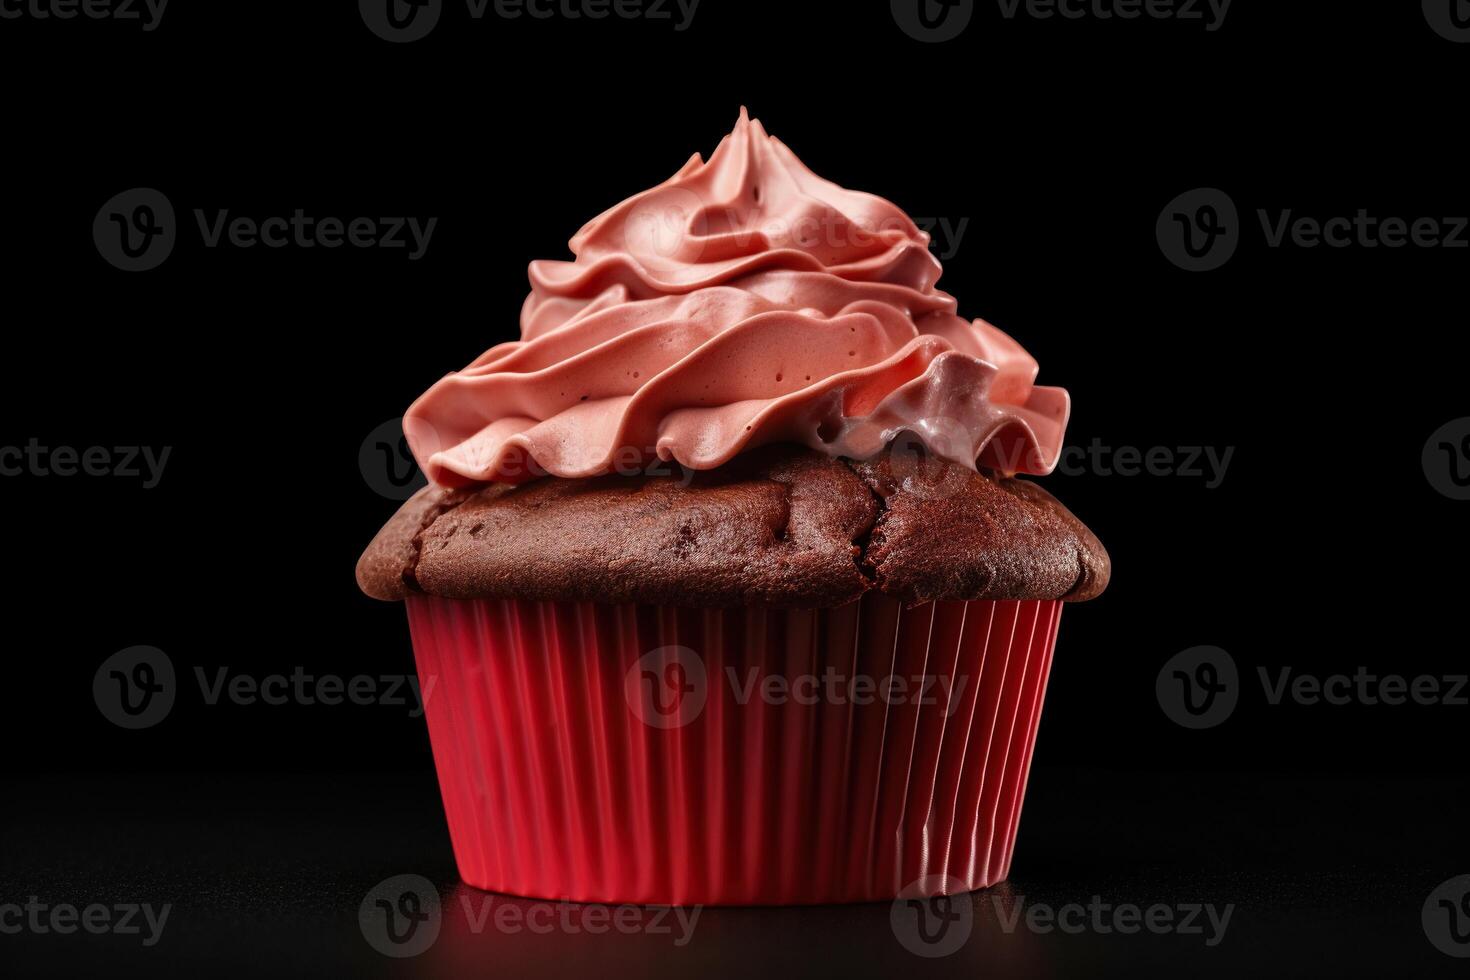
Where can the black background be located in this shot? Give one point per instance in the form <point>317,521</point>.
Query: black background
<point>1324,548</point>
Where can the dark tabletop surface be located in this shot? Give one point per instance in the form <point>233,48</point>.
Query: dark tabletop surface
<point>264,874</point>
<point>1060,143</point>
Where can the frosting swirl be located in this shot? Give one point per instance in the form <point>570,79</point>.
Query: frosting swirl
<point>742,302</point>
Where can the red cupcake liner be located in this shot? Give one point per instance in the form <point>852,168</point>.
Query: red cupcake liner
<point>648,754</point>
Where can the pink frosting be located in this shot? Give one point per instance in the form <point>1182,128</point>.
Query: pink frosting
<point>744,301</point>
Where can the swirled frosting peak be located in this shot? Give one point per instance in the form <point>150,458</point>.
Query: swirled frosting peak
<point>744,301</point>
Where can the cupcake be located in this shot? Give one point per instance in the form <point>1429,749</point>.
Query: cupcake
<point>725,580</point>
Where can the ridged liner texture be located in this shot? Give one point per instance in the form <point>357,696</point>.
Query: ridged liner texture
<point>555,788</point>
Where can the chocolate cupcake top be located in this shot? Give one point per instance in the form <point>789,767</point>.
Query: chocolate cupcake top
<point>781,526</point>
<point>701,408</point>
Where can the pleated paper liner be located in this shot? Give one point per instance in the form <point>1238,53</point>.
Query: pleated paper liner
<point>746,757</point>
